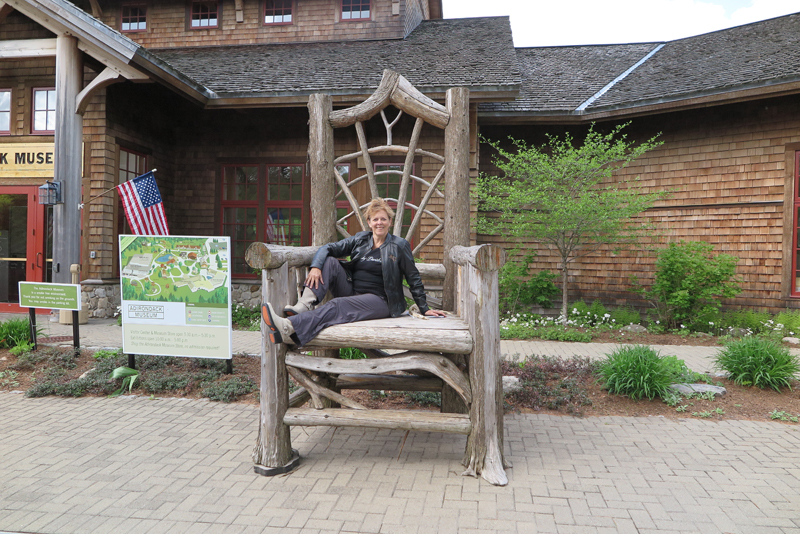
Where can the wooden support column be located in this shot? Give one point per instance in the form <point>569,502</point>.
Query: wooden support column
<point>456,203</point>
<point>273,451</point>
<point>479,268</point>
<point>320,157</point>
<point>68,170</point>
<point>456,212</point>
<point>323,187</point>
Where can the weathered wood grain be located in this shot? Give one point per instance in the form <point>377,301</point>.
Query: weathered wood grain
<point>438,365</point>
<point>482,257</point>
<point>316,391</point>
<point>388,382</point>
<point>390,419</point>
<point>273,446</point>
<point>371,106</point>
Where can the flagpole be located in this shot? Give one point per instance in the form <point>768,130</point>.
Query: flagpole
<point>107,191</point>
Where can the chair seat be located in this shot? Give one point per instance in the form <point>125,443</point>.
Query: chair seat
<point>446,334</point>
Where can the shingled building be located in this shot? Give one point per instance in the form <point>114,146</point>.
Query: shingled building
<point>213,94</point>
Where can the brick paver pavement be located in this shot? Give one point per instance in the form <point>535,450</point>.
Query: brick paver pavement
<point>138,465</point>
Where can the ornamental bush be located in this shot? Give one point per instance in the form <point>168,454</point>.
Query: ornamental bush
<point>759,362</point>
<point>689,282</point>
<point>637,371</point>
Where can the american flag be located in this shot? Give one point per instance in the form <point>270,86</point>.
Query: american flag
<point>143,207</point>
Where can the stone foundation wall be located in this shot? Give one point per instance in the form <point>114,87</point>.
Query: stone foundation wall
<point>101,297</point>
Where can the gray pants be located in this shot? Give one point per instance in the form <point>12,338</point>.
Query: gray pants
<point>345,307</point>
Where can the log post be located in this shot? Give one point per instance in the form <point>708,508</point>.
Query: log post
<point>320,157</point>
<point>323,185</point>
<point>456,202</point>
<point>456,210</point>
<point>479,293</point>
<point>68,158</point>
<point>273,453</point>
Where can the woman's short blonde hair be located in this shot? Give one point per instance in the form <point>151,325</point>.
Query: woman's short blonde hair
<point>378,204</point>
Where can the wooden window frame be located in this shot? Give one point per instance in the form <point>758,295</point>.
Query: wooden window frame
<point>9,111</point>
<point>34,131</point>
<point>261,204</point>
<point>128,5</point>
<point>292,11</point>
<point>349,19</point>
<point>120,220</point>
<point>190,13</point>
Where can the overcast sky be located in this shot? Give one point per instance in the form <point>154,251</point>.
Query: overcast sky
<point>574,22</point>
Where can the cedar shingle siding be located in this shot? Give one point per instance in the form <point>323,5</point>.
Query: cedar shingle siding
<point>726,104</point>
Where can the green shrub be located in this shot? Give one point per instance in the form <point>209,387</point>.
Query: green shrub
<point>350,353</point>
<point>790,319</point>
<point>245,318</point>
<point>636,371</point>
<point>14,332</point>
<point>625,316</point>
<point>585,315</point>
<point>759,362</point>
<point>750,320</point>
<point>689,282</point>
<point>228,390</point>
<point>165,382</point>
<point>519,290</point>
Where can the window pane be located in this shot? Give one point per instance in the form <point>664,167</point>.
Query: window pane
<point>285,183</point>
<point>51,120</point>
<point>5,100</point>
<point>277,11</point>
<point>40,121</point>
<point>40,100</point>
<point>284,226</point>
<point>5,121</point>
<point>240,183</point>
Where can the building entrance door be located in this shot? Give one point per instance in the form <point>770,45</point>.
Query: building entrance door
<point>25,242</point>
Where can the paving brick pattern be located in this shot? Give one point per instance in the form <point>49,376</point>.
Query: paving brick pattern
<point>138,465</point>
<point>148,466</point>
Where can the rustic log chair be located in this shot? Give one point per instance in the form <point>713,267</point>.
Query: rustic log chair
<point>457,355</point>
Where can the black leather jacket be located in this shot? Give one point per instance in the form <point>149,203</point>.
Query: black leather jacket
<point>396,261</point>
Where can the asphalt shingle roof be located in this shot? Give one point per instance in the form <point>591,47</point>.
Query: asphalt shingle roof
<point>476,53</point>
<point>755,54</point>
<point>559,79</point>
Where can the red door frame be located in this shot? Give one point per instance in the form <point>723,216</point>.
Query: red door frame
<point>35,262</point>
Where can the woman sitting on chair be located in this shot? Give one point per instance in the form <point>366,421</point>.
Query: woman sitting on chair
<point>372,287</point>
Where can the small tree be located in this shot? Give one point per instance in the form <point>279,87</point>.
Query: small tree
<point>563,195</point>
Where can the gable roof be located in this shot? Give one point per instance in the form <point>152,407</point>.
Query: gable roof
<point>475,53</point>
<point>750,61</point>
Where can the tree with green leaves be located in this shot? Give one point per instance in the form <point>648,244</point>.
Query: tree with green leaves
<point>564,195</point>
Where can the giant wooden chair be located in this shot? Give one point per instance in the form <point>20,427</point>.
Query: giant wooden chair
<point>458,355</point>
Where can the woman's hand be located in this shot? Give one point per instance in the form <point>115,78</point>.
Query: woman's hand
<point>435,313</point>
<point>314,278</point>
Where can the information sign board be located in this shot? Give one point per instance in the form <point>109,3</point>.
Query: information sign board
<point>47,295</point>
<point>176,296</point>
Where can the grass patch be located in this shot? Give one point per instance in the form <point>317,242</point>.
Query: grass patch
<point>637,371</point>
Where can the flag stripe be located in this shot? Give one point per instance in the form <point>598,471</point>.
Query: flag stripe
<point>136,194</point>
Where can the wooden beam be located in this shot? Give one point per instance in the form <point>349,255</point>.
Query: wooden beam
<point>316,391</point>
<point>104,79</point>
<point>388,382</point>
<point>97,11</point>
<point>438,365</point>
<point>27,48</point>
<point>428,340</point>
<point>393,420</point>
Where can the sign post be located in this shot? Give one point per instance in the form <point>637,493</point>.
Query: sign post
<point>176,296</point>
<point>34,295</point>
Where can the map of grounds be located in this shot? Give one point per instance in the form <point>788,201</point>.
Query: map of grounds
<point>174,269</point>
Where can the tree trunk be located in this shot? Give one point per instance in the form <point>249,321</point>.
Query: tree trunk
<point>564,292</point>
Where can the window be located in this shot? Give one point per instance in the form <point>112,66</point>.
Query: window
<point>134,18</point>
<point>5,111</point>
<point>205,15</point>
<point>278,12</point>
<point>44,111</point>
<point>131,165</point>
<point>355,9</point>
<point>261,203</point>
